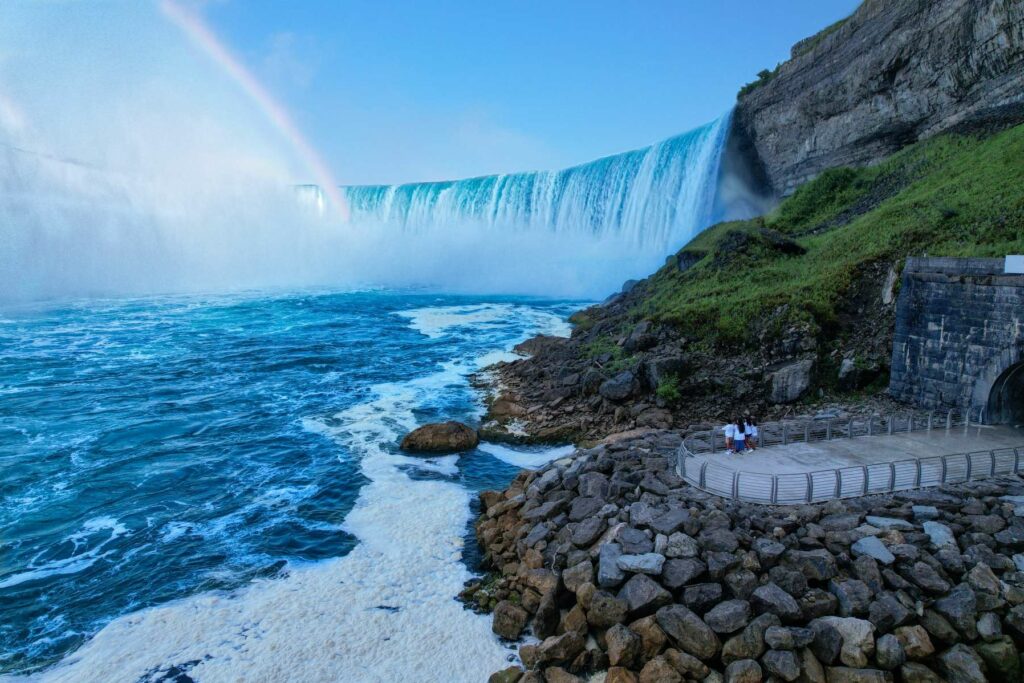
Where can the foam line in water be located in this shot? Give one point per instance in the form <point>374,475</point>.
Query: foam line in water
<point>375,615</point>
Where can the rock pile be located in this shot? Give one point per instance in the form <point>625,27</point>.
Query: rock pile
<point>614,564</point>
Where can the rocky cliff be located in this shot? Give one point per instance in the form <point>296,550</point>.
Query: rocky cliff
<point>894,72</point>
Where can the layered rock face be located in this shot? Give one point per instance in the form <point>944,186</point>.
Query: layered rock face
<point>894,72</point>
<point>615,565</point>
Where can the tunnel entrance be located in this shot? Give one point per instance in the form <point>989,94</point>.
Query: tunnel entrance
<point>1006,402</point>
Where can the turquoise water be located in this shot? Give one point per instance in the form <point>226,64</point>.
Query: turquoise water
<point>160,448</point>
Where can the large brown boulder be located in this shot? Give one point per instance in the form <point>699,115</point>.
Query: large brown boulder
<point>441,437</point>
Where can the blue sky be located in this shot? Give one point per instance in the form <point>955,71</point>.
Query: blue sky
<point>401,91</point>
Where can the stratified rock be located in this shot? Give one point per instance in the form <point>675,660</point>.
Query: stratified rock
<point>441,437</point>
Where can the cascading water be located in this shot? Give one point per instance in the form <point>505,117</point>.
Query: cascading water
<point>653,198</point>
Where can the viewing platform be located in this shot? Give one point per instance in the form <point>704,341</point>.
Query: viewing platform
<point>816,460</point>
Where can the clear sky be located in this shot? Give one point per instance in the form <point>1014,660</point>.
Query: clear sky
<point>407,90</point>
<point>398,91</point>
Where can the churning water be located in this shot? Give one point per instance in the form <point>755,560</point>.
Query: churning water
<point>207,488</point>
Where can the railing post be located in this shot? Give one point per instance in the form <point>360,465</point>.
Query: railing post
<point>807,432</point>
<point>714,433</point>
<point>865,468</point>
<point>969,468</point>
<point>828,430</point>
<point>810,487</point>
<point>849,429</point>
<point>929,420</point>
<point>892,476</point>
<point>839,483</point>
<point>992,471</point>
<point>735,485</point>
<point>775,489</point>
<point>1016,460</point>
<point>785,434</point>
<point>703,475</point>
<point>944,469</point>
<point>871,425</point>
<point>949,420</point>
<point>917,475</point>
<point>890,425</point>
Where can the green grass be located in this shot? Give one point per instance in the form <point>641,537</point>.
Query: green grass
<point>957,196</point>
<point>812,42</point>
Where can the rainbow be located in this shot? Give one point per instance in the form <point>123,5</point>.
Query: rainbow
<point>201,36</point>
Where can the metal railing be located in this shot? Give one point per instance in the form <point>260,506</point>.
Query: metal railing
<point>810,431</point>
<point>858,480</point>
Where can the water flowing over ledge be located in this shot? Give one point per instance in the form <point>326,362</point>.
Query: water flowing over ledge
<point>655,198</point>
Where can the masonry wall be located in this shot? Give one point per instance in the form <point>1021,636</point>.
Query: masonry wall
<point>959,326</point>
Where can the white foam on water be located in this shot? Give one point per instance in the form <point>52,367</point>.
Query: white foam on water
<point>77,562</point>
<point>526,458</point>
<point>383,613</point>
<point>438,321</point>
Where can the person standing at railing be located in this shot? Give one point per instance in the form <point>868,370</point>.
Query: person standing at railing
<point>751,434</point>
<point>730,435</point>
<point>740,435</point>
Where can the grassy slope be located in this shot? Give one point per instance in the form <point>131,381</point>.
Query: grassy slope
<point>954,196</point>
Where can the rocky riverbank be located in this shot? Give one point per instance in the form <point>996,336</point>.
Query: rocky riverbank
<point>614,565</point>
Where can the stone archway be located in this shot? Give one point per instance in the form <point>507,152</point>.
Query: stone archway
<point>1006,399</point>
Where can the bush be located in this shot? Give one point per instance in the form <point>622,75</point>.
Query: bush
<point>668,390</point>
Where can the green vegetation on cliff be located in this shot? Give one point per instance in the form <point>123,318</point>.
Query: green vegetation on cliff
<point>948,196</point>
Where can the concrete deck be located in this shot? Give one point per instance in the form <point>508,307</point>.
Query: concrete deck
<point>841,468</point>
<point>867,450</point>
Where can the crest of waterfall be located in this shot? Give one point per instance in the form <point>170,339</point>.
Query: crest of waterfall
<point>654,198</point>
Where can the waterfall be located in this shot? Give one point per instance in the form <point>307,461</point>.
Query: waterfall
<point>653,199</point>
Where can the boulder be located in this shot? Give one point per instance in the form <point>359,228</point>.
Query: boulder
<point>782,664</point>
<point>623,645</point>
<point>728,616</point>
<point>658,670</point>
<point>889,653</point>
<point>609,574</point>
<point>961,664</point>
<point>620,387</point>
<point>792,381</point>
<point>509,620</point>
<point>606,610</point>
<point>643,596</point>
<point>858,640</point>
<point>648,563</point>
<point>773,600</point>
<point>871,546</point>
<point>743,671</point>
<point>441,437</point>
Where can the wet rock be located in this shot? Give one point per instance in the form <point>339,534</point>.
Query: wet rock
<point>442,437</point>
<point>509,620</point>
<point>510,675</point>
<point>560,649</point>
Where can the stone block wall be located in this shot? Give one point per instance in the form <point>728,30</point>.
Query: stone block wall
<point>959,328</point>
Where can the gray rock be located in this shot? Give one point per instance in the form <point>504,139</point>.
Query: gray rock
<point>643,596</point>
<point>941,536</point>
<point>719,540</point>
<point>788,638</point>
<point>768,551</point>
<point>923,513</point>
<point>871,546</point>
<point>889,653</point>
<point>606,610</point>
<point>960,608</point>
<point>648,563</point>
<point>688,632</point>
<point>857,637</point>
<point>587,532</point>
<point>677,573</point>
<point>702,596</point>
<point>961,664</point>
<point>782,663</point>
<point>721,563</point>
<point>582,508</point>
<point>843,674</point>
<point>728,616</point>
<point>743,671</point>
<point>577,575</point>
<point>560,649</point>
<point>623,645</point>
<point>681,545</point>
<point>887,612</point>
<point>634,541</point>
<point>749,643</point>
<point>914,672</point>
<point>827,643</point>
<point>925,576</point>
<point>816,565</point>
<point>670,522</point>
<point>620,387</point>
<point>790,382</point>
<point>741,583</point>
<point>593,485</point>
<point>772,599</point>
<point>989,627</point>
<point>888,522</point>
<point>853,595</point>
<point>1001,658</point>
<point>609,574</point>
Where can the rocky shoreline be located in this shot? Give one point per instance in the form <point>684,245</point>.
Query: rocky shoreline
<point>619,569</point>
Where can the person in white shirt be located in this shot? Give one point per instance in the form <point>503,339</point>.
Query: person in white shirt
<point>730,434</point>
<point>752,433</point>
<point>739,440</point>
